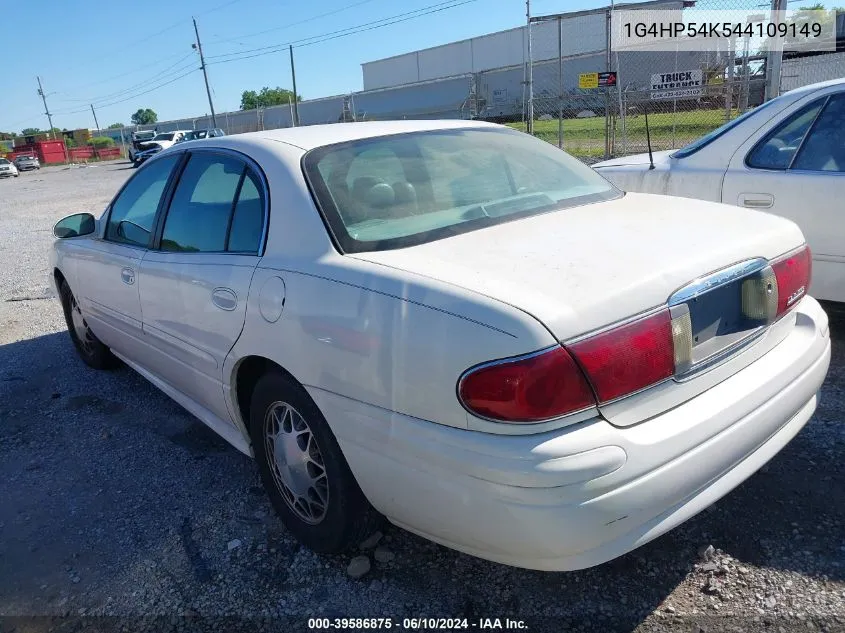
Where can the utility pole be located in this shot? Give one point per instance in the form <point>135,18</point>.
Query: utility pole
<point>198,46</point>
<point>293,80</point>
<point>46,109</point>
<point>774,57</point>
<point>95,117</point>
<point>530,123</point>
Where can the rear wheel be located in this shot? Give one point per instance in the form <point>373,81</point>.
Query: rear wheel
<point>303,469</point>
<point>90,349</point>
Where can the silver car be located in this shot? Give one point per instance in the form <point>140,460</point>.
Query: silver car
<point>27,163</point>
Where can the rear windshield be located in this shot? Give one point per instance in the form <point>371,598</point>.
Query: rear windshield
<point>407,189</point>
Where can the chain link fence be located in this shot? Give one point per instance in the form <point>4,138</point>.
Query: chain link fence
<point>684,94</point>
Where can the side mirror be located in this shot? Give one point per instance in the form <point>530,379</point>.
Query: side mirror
<point>75,225</point>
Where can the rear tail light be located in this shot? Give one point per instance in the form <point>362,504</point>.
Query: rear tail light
<point>539,387</point>
<point>622,360</point>
<point>793,273</point>
<point>551,384</point>
<point>630,357</point>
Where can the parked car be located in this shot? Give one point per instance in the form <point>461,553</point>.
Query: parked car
<point>7,169</point>
<point>454,325</point>
<point>161,141</point>
<point>200,134</point>
<point>27,163</point>
<point>141,136</point>
<point>786,157</point>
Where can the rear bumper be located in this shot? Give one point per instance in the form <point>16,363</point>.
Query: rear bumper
<point>582,495</point>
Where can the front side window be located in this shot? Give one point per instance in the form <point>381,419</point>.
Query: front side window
<point>395,191</point>
<point>824,148</point>
<point>216,207</point>
<point>134,209</point>
<point>778,148</point>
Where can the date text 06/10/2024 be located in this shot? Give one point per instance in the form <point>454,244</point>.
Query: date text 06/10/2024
<point>416,624</point>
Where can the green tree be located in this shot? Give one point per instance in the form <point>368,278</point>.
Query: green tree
<point>144,116</point>
<point>250,99</point>
<point>30,131</point>
<point>810,15</point>
<point>102,141</point>
<point>116,126</point>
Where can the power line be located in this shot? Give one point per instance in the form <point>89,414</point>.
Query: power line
<point>132,88</point>
<point>162,73</point>
<point>167,83</point>
<point>292,24</point>
<point>324,37</point>
<point>146,38</point>
<point>274,47</point>
<point>130,71</point>
<point>132,96</point>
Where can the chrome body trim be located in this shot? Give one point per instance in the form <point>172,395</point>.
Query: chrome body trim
<point>714,280</point>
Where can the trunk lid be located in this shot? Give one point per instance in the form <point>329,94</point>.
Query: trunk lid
<point>635,160</point>
<point>579,269</point>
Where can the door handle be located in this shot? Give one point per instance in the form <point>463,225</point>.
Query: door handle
<point>224,298</point>
<point>756,200</point>
<point>128,276</point>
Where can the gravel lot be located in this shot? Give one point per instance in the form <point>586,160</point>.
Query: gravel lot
<point>115,501</point>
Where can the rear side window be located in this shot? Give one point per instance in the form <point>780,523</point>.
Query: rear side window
<point>824,147</point>
<point>248,219</point>
<point>778,148</point>
<point>217,207</point>
<point>133,211</point>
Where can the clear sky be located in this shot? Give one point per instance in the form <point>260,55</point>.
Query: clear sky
<point>106,52</point>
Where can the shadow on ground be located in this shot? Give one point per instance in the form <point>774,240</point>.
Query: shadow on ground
<point>116,498</point>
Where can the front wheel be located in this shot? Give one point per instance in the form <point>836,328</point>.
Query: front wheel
<point>90,349</point>
<point>303,469</point>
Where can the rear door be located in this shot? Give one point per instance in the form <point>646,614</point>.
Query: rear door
<point>796,169</point>
<point>194,282</point>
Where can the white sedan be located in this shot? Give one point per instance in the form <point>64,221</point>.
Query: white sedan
<point>456,326</point>
<point>786,157</point>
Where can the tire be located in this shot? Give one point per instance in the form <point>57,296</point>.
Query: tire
<point>90,349</point>
<point>340,515</point>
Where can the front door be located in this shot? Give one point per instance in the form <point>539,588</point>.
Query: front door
<point>194,284</point>
<point>107,268</point>
<point>797,170</point>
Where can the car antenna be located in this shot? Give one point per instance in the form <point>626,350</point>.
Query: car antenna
<point>648,140</point>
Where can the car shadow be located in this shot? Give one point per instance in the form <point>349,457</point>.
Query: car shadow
<point>112,487</point>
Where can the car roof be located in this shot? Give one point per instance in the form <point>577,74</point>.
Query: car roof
<point>817,86</point>
<point>311,136</point>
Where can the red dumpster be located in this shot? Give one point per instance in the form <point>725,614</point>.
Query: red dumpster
<point>80,153</point>
<point>108,153</point>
